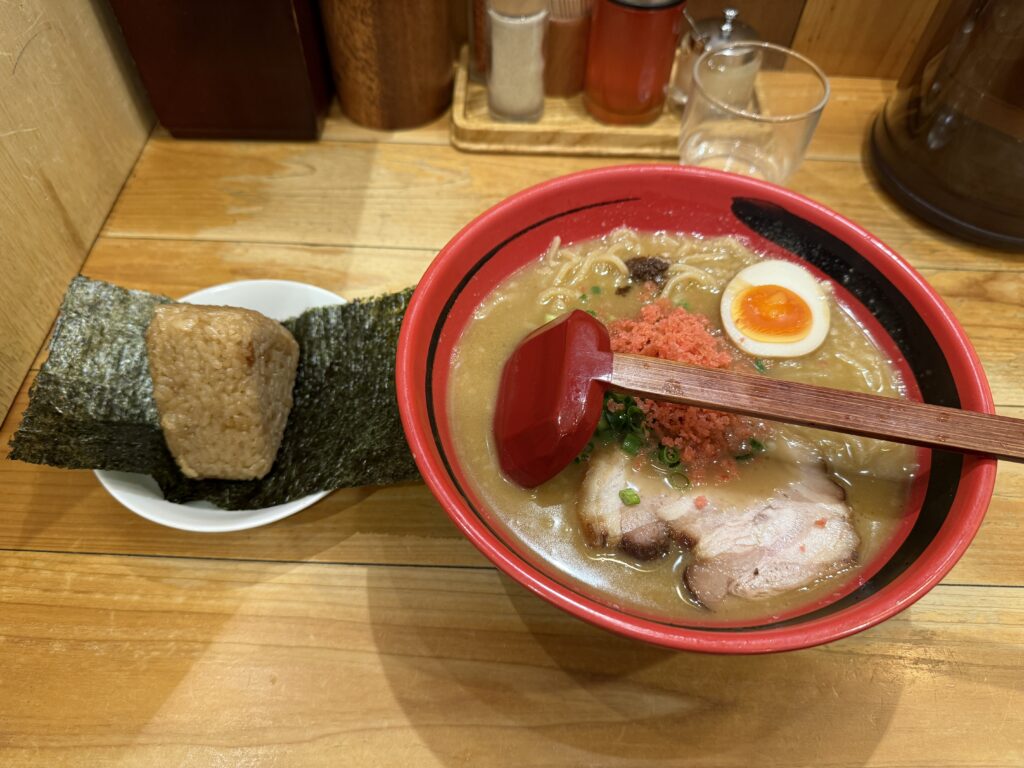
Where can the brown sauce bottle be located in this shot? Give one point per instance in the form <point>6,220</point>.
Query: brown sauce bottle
<point>565,48</point>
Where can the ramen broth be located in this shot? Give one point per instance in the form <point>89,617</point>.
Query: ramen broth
<point>543,523</point>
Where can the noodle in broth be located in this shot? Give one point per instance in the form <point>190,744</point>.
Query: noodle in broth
<point>595,276</point>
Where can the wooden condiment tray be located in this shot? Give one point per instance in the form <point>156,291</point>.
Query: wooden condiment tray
<point>565,129</point>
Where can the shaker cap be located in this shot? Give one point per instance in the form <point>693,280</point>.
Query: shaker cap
<point>518,7</point>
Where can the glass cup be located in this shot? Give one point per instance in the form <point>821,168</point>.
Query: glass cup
<point>752,109</point>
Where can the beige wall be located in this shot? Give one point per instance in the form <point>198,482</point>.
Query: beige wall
<point>72,122</point>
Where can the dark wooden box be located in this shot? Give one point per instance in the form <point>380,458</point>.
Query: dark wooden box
<point>231,68</point>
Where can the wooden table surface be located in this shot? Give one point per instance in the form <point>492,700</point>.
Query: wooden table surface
<point>366,630</point>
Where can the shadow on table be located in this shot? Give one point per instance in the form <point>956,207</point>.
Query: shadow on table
<point>523,683</point>
<point>57,510</point>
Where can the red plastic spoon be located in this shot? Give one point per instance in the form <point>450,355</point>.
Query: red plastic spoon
<point>552,391</point>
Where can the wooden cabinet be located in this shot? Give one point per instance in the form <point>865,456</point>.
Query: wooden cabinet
<point>232,68</point>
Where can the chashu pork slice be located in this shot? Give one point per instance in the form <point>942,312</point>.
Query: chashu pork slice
<point>745,543</point>
<point>607,521</point>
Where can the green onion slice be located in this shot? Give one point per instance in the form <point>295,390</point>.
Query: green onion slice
<point>668,455</point>
<point>632,443</point>
<point>679,481</point>
<point>629,497</point>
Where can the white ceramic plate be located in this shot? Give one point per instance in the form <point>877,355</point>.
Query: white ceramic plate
<point>278,299</point>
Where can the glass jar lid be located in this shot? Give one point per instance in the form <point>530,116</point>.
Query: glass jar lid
<point>727,29</point>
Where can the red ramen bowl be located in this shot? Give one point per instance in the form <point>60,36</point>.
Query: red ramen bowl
<point>950,497</point>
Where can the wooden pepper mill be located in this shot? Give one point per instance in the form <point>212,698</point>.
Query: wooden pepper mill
<point>392,62</point>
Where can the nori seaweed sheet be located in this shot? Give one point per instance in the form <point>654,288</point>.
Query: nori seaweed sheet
<point>344,428</point>
<point>92,404</point>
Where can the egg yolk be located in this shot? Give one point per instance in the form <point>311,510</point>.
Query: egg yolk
<point>771,313</point>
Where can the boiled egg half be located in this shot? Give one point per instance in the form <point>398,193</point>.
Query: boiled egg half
<point>775,309</point>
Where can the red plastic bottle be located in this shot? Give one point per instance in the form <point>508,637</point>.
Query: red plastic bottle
<point>629,59</point>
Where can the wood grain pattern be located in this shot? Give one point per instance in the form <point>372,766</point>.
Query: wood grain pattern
<point>145,661</point>
<point>392,68</point>
<point>393,195</point>
<point>866,38</point>
<point>333,193</point>
<point>179,267</point>
<point>72,122</point>
<point>855,413</point>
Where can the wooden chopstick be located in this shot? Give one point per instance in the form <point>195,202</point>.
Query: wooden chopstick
<point>855,413</point>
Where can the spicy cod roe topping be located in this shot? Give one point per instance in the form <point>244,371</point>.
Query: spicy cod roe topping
<point>704,438</point>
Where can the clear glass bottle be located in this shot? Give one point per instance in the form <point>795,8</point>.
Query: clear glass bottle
<point>515,77</point>
<point>632,47</point>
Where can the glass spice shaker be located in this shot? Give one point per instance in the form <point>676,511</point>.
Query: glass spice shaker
<point>707,34</point>
<point>515,77</point>
<point>565,48</point>
<point>629,60</point>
